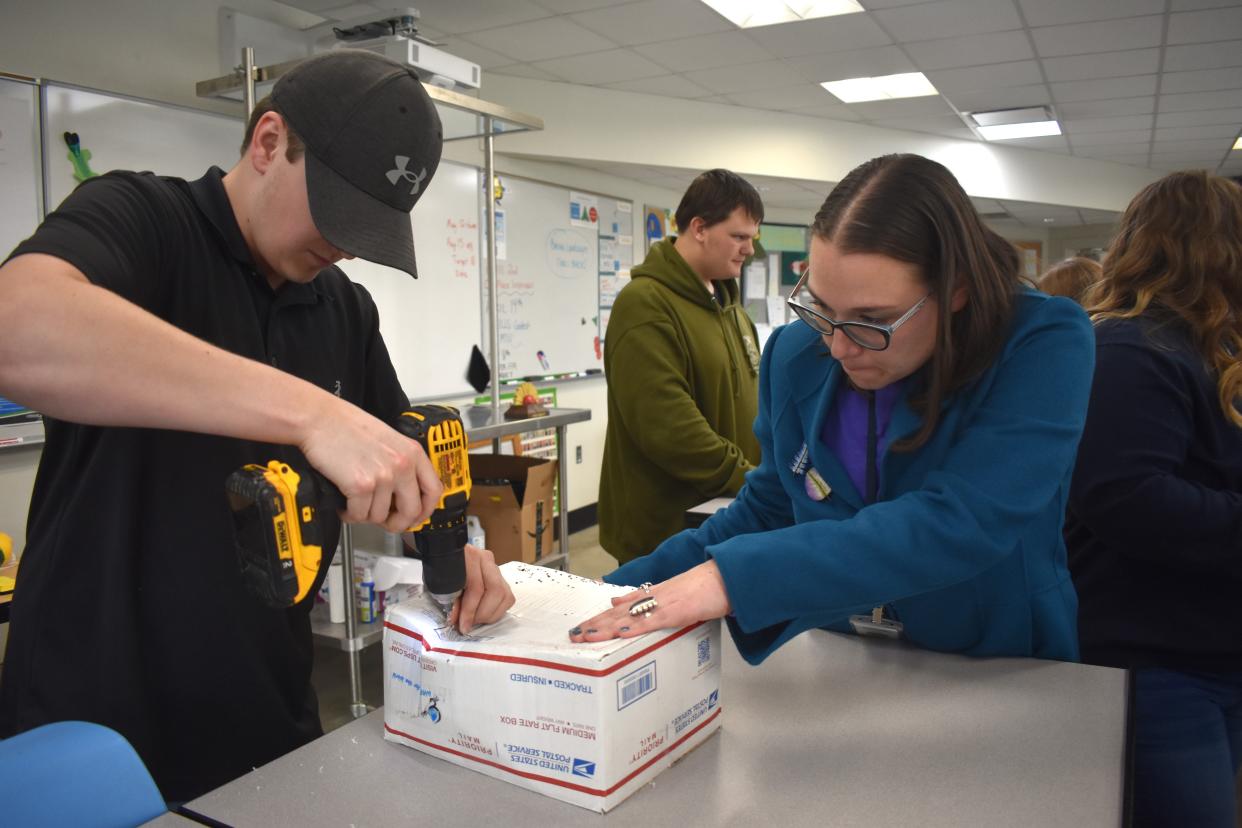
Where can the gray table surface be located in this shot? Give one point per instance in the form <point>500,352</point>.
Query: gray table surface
<point>831,730</point>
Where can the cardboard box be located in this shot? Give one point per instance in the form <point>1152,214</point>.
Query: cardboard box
<point>589,724</point>
<point>516,531</point>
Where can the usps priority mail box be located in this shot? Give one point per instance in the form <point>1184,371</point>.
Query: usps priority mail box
<point>586,723</point>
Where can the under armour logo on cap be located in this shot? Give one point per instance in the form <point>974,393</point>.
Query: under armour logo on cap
<point>401,172</point>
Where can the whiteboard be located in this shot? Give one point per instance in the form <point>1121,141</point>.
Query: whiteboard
<point>19,163</point>
<point>128,134</point>
<point>431,323</point>
<point>547,283</point>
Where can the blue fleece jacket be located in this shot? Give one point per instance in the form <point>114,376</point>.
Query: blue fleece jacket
<point>964,544</point>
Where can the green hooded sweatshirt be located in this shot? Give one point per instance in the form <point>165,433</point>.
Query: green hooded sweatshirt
<point>683,388</point>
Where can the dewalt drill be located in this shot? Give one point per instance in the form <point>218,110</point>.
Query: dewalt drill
<point>278,534</point>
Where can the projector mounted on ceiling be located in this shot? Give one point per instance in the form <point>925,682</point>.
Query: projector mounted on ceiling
<point>395,35</point>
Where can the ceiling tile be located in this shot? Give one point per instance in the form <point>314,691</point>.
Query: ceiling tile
<point>1012,97</point>
<point>1205,147</point>
<point>1191,133</point>
<point>717,99</point>
<point>1078,126</point>
<point>1202,56</point>
<point>971,50</point>
<point>802,96</point>
<point>1200,117</point>
<point>1197,100</point>
<point>902,108</point>
<point>1106,65</point>
<point>671,86</point>
<point>825,34</point>
<point>1191,5</point>
<point>767,75</point>
<point>1125,136</point>
<point>1130,152</point>
<point>569,6</point>
<point>1052,143</point>
<point>949,18</point>
<point>650,20</point>
<point>486,58</point>
<point>541,40</point>
<point>1108,108</point>
<point>1202,80</point>
<point>857,63</point>
<point>971,78</point>
<point>948,125</point>
<point>1053,12</point>
<point>1089,90</point>
<point>1093,38</point>
<point>1204,26</point>
<point>601,67</point>
<point>705,51</point>
<point>837,112</point>
<point>343,12</point>
<point>523,70</point>
<point>456,16</point>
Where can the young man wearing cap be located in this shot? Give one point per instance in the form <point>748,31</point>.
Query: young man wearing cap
<point>172,331</point>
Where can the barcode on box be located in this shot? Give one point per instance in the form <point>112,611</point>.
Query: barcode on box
<point>635,685</point>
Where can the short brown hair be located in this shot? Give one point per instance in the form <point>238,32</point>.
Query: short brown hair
<point>1070,277</point>
<point>294,148</point>
<point>713,196</point>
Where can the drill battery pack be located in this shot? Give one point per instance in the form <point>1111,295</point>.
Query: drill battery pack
<point>277,535</point>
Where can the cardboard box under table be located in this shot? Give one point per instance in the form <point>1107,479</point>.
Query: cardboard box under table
<point>585,723</point>
<point>516,509</point>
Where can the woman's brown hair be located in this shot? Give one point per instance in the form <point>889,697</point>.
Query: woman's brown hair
<point>1071,278</point>
<point>1178,250</point>
<point>912,209</point>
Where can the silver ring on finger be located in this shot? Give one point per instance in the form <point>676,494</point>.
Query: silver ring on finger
<point>645,586</point>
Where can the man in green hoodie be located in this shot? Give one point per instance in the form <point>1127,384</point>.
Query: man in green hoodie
<point>682,363</point>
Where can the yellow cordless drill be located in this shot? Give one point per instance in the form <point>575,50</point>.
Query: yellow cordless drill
<point>279,539</point>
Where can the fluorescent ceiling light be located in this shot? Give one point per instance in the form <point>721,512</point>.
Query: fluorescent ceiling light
<point>1237,144</point>
<point>748,13</point>
<point>905,85</point>
<point>1031,129</point>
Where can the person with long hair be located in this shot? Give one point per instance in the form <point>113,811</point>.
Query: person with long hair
<point>918,425</point>
<point>1154,526</point>
<point>1071,277</point>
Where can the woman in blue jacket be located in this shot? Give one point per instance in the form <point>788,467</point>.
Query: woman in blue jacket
<point>918,428</point>
<point>1154,526</point>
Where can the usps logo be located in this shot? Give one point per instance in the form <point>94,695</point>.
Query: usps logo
<point>584,768</point>
<point>713,699</point>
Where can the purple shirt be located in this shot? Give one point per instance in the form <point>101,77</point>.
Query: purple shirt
<point>845,429</point>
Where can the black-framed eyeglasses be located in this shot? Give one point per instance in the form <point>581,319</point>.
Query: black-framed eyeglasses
<point>869,335</point>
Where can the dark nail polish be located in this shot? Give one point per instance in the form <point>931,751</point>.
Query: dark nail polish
<point>625,629</point>
<point>592,630</point>
<point>576,631</point>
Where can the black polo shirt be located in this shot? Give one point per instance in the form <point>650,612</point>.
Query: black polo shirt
<point>132,612</point>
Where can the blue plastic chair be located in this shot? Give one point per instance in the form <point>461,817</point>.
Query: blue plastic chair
<point>75,773</point>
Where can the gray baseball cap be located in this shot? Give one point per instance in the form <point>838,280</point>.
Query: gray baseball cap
<point>373,141</point>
